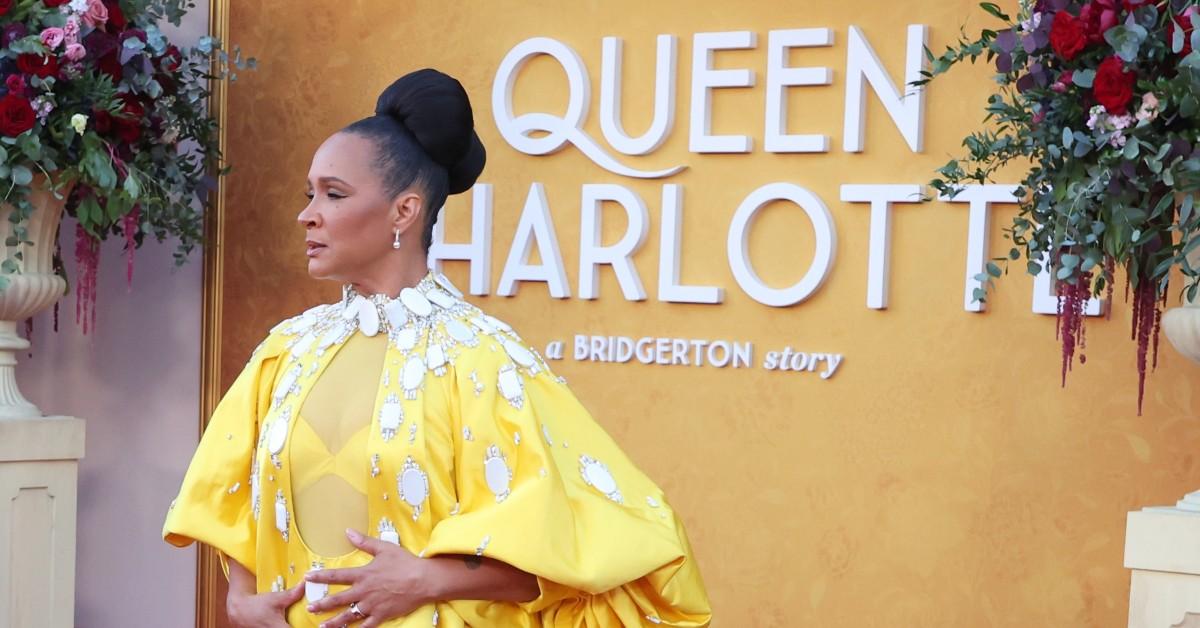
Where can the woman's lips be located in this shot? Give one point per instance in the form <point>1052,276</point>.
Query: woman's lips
<point>314,248</point>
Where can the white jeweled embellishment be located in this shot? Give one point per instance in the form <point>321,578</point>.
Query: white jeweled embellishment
<point>435,617</point>
<point>350,310</point>
<point>516,438</point>
<point>467,434</point>
<point>413,486</point>
<point>233,489</point>
<point>479,387</point>
<point>597,476</point>
<point>546,434</point>
<point>303,345</point>
<point>277,585</point>
<point>435,358</point>
<point>287,384</point>
<point>518,353</point>
<point>374,465</point>
<point>653,619</point>
<point>387,532</point>
<point>497,473</point>
<point>482,325</point>
<point>509,382</point>
<point>302,323</point>
<point>483,545</point>
<point>277,435</point>
<point>315,591</point>
<point>333,335</point>
<point>412,433</point>
<point>416,302</point>
<point>454,511</point>
<point>413,375</point>
<point>255,490</point>
<point>651,502</point>
<point>391,415</point>
<point>395,314</point>
<point>497,323</point>
<point>282,517</point>
<point>441,280</point>
<point>441,299</point>
<point>461,333</point>
<point>406,339</point>
<point>368,317</point>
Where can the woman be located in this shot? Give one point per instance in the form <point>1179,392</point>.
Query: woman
<point>401,458</point>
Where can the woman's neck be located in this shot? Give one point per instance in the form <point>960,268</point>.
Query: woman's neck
<point>391,283</point>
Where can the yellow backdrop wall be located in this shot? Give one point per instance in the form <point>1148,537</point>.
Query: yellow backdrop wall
<point>940,478</point>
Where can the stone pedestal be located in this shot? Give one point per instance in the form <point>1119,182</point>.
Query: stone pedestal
<point>1162,547</point>
<point>39,461</point>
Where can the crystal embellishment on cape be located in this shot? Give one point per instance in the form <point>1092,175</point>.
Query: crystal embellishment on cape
<point>413,486</point>
<point>315,591</point>
<point>597,476</point>
<point>282,517</point>
<point>497,473</point>
<point>416,302</point>
<point>413,375</point>
<point>387,532</point>
<point>509,382</point>
<point>391,415</point>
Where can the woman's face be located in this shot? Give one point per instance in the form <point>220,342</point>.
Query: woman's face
<point>349,221</point>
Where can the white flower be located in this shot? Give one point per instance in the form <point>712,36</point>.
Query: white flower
<point>79,6</point>
<point>79,121</point>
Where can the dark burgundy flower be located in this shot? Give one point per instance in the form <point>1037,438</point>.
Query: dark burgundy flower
<point>55,3</point>
<point>5,6</point>
<point>16,85</point>
<point>16,115</point>
<point>1067,36</point>
<point>38,65</point>
<point>13,32</point>
<point>110,65</point>
<point>1113,86</point>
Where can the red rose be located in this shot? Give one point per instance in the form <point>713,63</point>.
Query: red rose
<point>1184,21</point>
<point>110,65</point>
<point>54,3</point>
<point>1067,37</point>
<point>16,115</point>
<point>103,120</point>
<point>1130,5</point>
<point>129,126</point>
<point>15,84</point>
<point>116,17</point>
<point>38,65</point>
<point>1113,86</point>
<point>1097,17</point>
<point>5,6</point>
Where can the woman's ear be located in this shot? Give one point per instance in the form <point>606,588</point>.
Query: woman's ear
<point>406,211</point>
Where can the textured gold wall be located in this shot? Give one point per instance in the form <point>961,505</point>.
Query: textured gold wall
<point>941,478</point>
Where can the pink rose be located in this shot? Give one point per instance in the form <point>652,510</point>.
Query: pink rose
<point>76,52</point>
<point>96,14</point>
<point>71,30</point>
<point>52,37</point>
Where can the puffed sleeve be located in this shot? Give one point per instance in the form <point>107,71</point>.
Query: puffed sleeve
<point>214,502</point>
<point>545,489</point>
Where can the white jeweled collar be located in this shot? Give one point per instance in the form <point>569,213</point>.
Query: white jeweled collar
<point>381,312</point>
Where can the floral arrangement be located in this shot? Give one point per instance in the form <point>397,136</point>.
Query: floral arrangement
<point>1101,100</point>
<point>97,104</point>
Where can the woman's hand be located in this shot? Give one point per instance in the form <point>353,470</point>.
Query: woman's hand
<point>261,610</point>
<point>392,585</point>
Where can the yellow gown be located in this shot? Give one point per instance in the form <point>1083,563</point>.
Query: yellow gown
<point>472,446</point>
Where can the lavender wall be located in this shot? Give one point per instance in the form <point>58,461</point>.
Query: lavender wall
<point>135,379</point>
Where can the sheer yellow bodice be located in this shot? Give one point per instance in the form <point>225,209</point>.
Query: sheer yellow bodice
<point>328,448</point>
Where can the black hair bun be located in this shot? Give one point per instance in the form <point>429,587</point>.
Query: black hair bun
<point>435,108</point>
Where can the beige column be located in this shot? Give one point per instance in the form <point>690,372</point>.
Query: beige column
<point>39,460</point>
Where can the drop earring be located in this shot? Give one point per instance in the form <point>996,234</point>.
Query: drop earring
<point>396,242</point>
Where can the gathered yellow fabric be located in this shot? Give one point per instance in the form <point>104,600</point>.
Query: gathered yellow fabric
<point>471,446</point>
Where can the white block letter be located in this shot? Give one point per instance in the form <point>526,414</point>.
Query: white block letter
<point>535,228</point>
<point>907,108</point>
<point>704,79</point>
<point>478,250</point>
<point>739,231</point>
<point>879,258</point>
<point>592,254</point>
<point>669,288</point>
<point>664,97</point>
<point>980,198</point>
<point>779,76</point>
